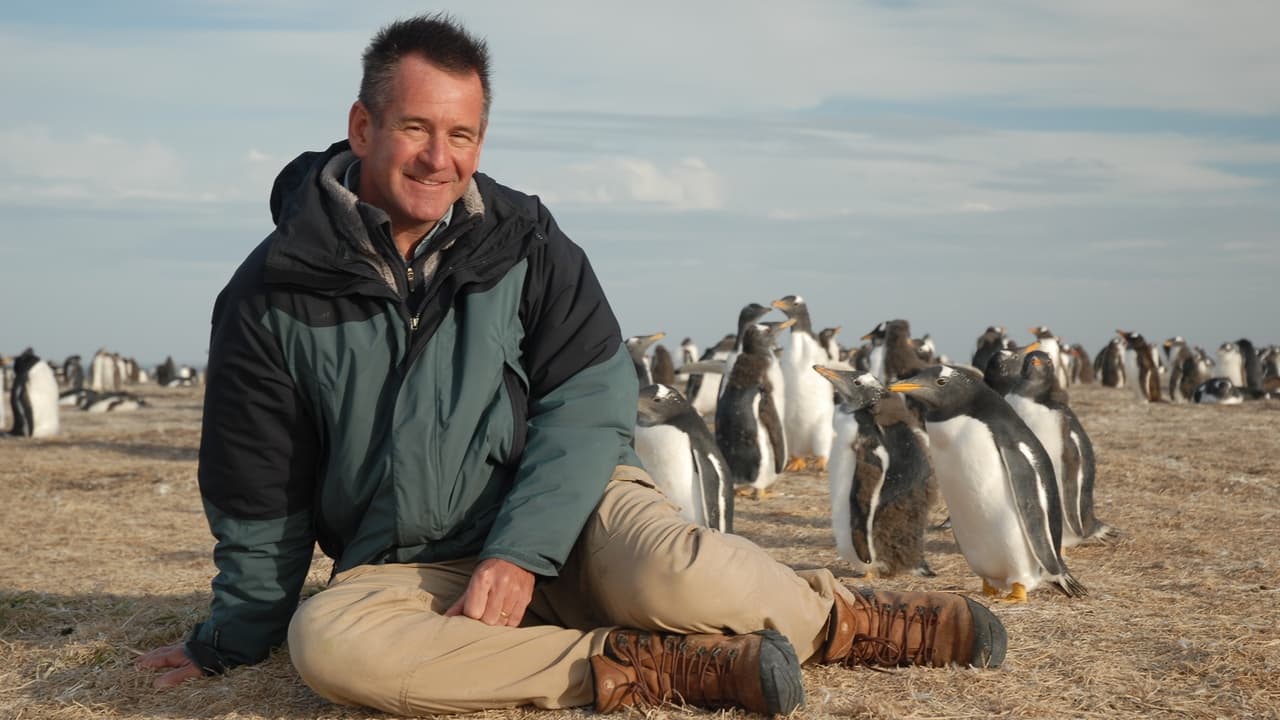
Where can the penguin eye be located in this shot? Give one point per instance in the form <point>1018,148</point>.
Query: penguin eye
<point>857,383</point>
<point>941,381</point>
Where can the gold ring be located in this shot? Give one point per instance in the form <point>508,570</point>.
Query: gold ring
<point>502,614</point>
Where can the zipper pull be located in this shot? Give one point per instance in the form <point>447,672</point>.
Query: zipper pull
<point>413,322</point>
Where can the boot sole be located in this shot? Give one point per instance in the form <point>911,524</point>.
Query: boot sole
<point>989,637</point>
<point>781,682</point>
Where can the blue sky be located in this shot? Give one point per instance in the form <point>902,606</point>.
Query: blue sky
<point>1088,166</point>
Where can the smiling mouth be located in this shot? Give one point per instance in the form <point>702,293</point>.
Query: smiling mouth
<point>428,183</point>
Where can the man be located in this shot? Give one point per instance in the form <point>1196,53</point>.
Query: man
<point>420,372</point>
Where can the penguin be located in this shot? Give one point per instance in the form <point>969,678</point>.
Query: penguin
<point>749,315</point>
<point>73,372</point>
<point>809,405</point>
<point>1231,364</point>
<point>1252,369</point>
<point>1217,391</point>
<point>900,356</point>
<point>1180,360</point>
<point>997,481</point>
<point>638,347</point>
<point>4,394</point>
<point>827,339</point>
<point>1083,367</point>
<point>926,349</point>
<point>989,342</point>
<point>704,385</point>
<point>664,368</point>
<point>1051,345</point>
<point>1196,368</point>
<point>681,454</point>
<point>1002,371</point>
<point>879,478</point>
<point>1270,359</point>
<point>748,423</point>
<point>33,397</point>
<point>875,354</point>
<point>112,402</point>
<point>1044,407</point>
<point>1109,364</point>
<point>1143,357</point>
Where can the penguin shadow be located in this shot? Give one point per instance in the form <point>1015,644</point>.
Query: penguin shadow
<point>82,647</point>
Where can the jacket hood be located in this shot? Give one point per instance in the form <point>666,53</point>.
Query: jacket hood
<point>329,241</point>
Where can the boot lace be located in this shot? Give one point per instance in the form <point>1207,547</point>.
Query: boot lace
<point>889,633</point>
<point>685,672</point>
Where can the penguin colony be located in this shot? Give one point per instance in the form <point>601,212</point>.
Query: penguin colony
<point>893,425</point>
<point>33,390</point>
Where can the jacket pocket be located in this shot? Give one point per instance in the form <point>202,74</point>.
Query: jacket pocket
<point>518,395</point>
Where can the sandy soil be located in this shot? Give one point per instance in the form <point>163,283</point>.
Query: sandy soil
<point>106,554</point>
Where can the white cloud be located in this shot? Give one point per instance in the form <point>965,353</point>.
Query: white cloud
<point>689,184</point>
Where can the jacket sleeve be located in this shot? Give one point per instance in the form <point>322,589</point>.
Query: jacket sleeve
<point>582,408</point>
<point>257,467</point>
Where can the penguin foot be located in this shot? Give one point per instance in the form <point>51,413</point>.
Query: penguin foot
<point>745,491</point>
<point>794,464</point>
<point>988,590</point>
<point>923,570</point>
<point>1017,595</point>
<point>820,464</point>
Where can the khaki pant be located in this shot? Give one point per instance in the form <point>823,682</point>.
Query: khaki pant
<point>377,637</point>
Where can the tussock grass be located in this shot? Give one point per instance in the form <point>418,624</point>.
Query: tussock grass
<point>106,554</point>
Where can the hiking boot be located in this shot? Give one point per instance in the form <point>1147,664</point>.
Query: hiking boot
<point>759,672</point>
<point>913,628</point>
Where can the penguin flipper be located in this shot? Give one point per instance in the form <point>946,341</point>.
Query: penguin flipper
<point>773,428</point>
<point>1038,521</point>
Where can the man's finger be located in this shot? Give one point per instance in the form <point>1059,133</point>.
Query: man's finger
<point>177,677</point>
<point>168,656</point>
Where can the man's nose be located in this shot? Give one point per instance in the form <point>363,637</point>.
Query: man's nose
<point>434,153</point>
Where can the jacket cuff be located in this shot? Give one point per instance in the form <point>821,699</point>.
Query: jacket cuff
<point>203,654</point>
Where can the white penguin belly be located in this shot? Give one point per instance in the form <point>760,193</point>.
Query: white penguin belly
<point>666,454</point>
<point>42,389</point>
<point>765,474</point>
<point>984,517</point>
<point>809,404</point>
<point>840,470</point>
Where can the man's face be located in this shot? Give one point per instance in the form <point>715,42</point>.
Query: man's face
<point>418,158</point>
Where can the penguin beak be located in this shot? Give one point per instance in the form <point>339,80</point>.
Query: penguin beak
<point>827,373</point>
<point>786,323</point>
<point>904,387</point>
<point>779,304</point>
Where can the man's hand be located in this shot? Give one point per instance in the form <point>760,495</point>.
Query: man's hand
<point>169,656</point>
<point>498,594</point>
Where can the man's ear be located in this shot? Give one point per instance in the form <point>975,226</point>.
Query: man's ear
<point>359,128</point>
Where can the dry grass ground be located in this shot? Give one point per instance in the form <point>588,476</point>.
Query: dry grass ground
<point>106,553</point>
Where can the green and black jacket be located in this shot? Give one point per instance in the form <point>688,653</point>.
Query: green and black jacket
<point>473,404</point>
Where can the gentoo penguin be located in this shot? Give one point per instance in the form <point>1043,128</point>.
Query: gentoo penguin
<point>704,385</point>
<point>4,393</point>
<point>809,405</point>
<point>926,349</point>
<point>1083,367</point>
<point>1109,364</point>
<point>827,339</point>
<point>1252,369</point>
<point>111,402</point>
<point>1196,368</point>
<point>875,355</point>
<point>1145,360</point>
<point>1270,358</point>
<point>1217,391</point>
<point>1004,368</point>
<point>638,347</point>
<point>680,453</point>
<point>748,424</point>
<point>989,343</point>
<point>103,376</point>
<point>687,355</point>
<point>749,315</point>
<point>1051,345</point>
<point>1231,363</point>
<point>900,357</point>
<point>73,372</point>
<point>1044,407</point>
<point>879,478</point>
<point>33,397</point>
<point>664,369</point>
<point>998,483</point>
<point>1180,357</point>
